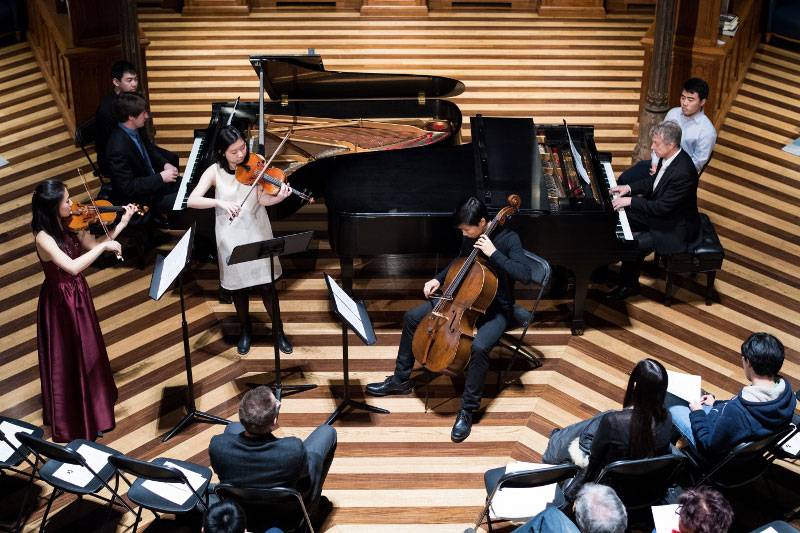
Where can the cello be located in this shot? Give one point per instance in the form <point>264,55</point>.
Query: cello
<point>443,340</point>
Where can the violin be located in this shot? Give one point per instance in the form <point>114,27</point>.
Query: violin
<point>84,215</point>
<point>443,340</point>
<point>270,180</point>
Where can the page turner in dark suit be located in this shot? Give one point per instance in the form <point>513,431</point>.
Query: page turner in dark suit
<point>662,208</point>
<point>145,176</point>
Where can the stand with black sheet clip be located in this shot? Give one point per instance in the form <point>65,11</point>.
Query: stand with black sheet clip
<point>272,248</point>
<point>164,273</point>
<point>352,315</point>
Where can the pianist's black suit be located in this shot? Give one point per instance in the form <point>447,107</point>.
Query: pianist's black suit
<point>665,219</point>
<point>132,180</point>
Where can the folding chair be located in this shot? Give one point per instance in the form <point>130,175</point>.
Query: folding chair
<point>540,276</point>
<point>529,479</point>
<point>270,507</point>
<point>60,456</point>
<point>13,453</point>
<point>640,483</point>
<point>742,465</point>
<point>160,470</point>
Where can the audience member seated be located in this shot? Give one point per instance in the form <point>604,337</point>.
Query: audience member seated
<point>248,455</point>
<point>140,171</point>
<point>698,135</point>
<point>704,510</point>
<point>597,510</point>
<point>641,429</point>
<point>124,79</point>
<point>714,427</point>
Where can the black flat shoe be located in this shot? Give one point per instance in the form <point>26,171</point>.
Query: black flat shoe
<point>462,426</point>
<point>284,345</point>
<point>620,293</point>
<point>243,346</point>
<point>388,387</point>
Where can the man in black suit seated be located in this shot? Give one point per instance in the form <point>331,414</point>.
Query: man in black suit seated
<point>248,455</point>
<point>662,208</point>
<point>124,80</point>
<point>140,171</point>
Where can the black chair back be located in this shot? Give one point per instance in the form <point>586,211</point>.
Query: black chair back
<point>642,482</point>
<point>147,470</point>
<point>86,133</point>
<point>51,450</point>
<point>745,463</point>
<point>537,478</point>
<point>264,508</point>
<point>20,452</point>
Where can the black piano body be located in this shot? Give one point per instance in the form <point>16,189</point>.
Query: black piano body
<point>398,199</point>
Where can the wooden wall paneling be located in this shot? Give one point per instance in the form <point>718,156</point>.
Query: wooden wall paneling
<point>216,7</point>
<point>721,61</point>
<point>513,5</point>
<point>572,8</point>
<point>394,8</point>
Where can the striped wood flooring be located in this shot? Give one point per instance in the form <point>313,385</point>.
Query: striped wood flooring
<point>401,472</point>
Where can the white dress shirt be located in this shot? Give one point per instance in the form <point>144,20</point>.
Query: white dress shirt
<point>663,168</point>
<point>698,136</point>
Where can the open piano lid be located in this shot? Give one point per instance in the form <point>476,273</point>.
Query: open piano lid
<point>303,77</point>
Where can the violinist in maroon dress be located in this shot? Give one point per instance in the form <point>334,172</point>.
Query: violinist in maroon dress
<point>78,391</point>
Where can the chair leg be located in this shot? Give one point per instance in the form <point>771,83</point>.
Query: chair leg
<point>668,291</point>
<point>138,519</point>
<point>53,496</point>
<point>710,277</point>
<point>483,514</point>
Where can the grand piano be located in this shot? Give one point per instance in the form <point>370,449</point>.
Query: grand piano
<point>384,152</point>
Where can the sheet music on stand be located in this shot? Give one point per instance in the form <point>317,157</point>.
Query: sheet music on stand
<point>576,156</point>
<point>168,268</point>
<point>351,312</point>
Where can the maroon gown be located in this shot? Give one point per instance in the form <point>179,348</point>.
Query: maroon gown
<point>78,390</point>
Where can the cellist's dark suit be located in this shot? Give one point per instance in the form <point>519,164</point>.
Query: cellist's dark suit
<point>508,263</point>
<point>665,219</point>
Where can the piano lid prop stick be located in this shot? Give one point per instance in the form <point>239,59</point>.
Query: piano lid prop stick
<point>257,180</point>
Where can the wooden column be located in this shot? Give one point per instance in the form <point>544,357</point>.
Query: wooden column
<point>133,51</point>
<point>656,102</point>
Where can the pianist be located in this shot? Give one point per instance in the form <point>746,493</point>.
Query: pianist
<point>140,171</point>
<point>124,79</point>
<point>664,218</point>
<point>698,135</point>
<point>507,258</point>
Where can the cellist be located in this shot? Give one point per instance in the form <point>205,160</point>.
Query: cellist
<point>506,258</point>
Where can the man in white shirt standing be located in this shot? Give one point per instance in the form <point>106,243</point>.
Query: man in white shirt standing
<point>698,134</point>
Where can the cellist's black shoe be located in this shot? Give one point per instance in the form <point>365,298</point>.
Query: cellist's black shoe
<point>243,346</point>
<point>284,345</point>
<point>389,387</point>
<point>462,426</point>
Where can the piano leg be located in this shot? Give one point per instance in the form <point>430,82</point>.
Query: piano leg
<point>346,266</point>
<point>581,287</point>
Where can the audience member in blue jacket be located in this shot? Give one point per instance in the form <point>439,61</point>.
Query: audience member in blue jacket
<point>764,407</point>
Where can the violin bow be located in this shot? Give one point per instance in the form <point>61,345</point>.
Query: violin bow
<point>264,169</point>
<point>96,210</point>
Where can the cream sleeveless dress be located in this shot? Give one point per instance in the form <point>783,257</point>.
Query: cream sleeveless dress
<point>252,225</point>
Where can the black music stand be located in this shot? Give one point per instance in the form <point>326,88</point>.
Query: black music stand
<point>352,315</point>
<point>272,248</point>
<point>164,273</point>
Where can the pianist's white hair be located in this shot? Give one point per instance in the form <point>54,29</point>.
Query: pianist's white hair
<point>669,130</point>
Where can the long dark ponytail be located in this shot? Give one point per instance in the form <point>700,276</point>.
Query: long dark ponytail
<point>47,197</point>
<point>647,388</point>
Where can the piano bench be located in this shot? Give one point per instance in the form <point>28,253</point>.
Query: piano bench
<point>706,257</point>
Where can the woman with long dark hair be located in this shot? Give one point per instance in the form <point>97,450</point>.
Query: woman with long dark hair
<point>250,224</point>
<point>78,391</point>
<point>641,429</point>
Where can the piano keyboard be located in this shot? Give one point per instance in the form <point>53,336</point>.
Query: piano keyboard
<point>623,226</point>
<point>183,192</point>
